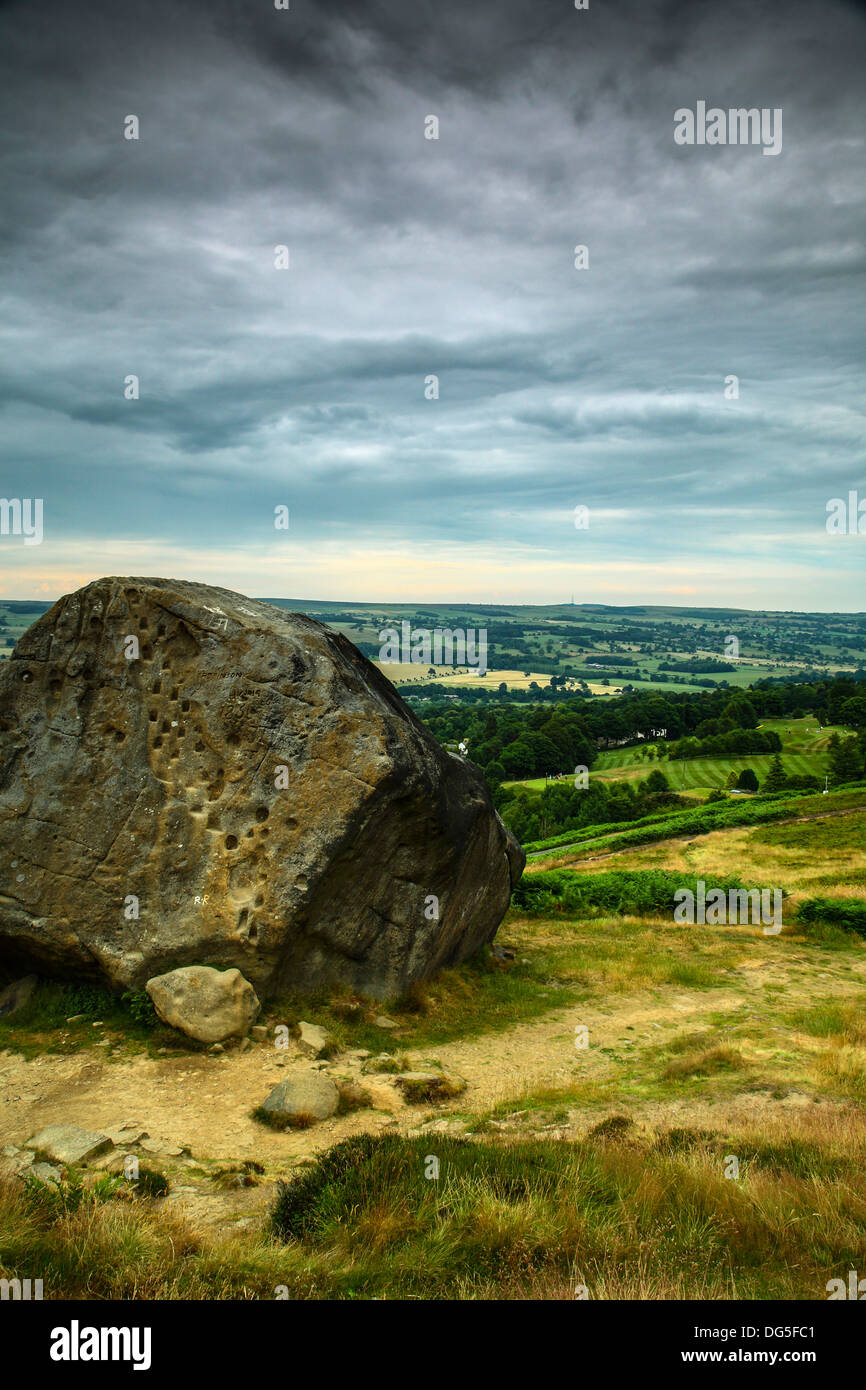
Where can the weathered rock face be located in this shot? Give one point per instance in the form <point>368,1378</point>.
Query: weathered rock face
<point>190,777</point>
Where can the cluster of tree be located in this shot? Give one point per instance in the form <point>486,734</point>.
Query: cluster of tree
<point>745,781</point>
<point>700,664</point>
<point>634,714</point>
<point>841,700</point>
<point>727,745</point>
<point>848,757</point>
<point>510,738</point>
<point>432,693</point>
<point>508,744</point>
<point>563,806</point>
<point>778,780</point>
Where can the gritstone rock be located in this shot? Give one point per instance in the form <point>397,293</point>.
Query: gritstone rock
<point>313,1040</point>
<point>189,776</point>
<point>69,1143</point>
<point>303,1093</point>
<point>207,1004</point>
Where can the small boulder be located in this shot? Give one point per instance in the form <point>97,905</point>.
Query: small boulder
<point>259,1033</point>
<point>353,1096</point>
<point>114,1162</point>
<point>160,1148</point>
<point>69,1144</point>
<point>314,1041</point>
<point>383,1021</point>
<point>45,1172</point>
<point>16,995</point>
<point>14,1159</point>
<point>128,1135</point>
<point>207,1004</point>
<point>304,1093</point>
<point>424,1087</point>
<point>384,1062</point>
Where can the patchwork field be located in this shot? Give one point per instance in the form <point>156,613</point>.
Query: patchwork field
<point>468,676</point>
<point>804,753</point>
<point>604,647</point>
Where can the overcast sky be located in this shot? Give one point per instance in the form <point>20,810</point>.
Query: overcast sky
<point>409,257</point>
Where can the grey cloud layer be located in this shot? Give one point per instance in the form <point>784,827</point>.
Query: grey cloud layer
<point>412,257</point>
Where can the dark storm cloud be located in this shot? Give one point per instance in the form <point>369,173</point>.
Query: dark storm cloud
<point>454,257</point>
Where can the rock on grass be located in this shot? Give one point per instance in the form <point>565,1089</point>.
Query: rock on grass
<point>69,1144</point>
<point>420,1087</point>
<point>291,1102</point>
<point>206,1004</point>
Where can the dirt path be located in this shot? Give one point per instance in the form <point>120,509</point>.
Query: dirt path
<point>195,1108</point>
<point>686,838</point>
<point>203,1103</point>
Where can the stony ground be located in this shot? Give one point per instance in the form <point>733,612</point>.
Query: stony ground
<point>195,1108</point>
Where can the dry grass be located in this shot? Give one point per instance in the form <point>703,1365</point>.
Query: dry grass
<point>629,1214</point>
<point>704,1062</point>
<point>718,1043</point>
<point>787,855</point>
<point>301,1120</point>
<point>428,1090</point>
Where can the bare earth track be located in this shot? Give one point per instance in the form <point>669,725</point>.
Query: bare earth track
<point>196,1107</point>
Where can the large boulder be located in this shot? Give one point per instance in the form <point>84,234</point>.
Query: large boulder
<point>189,776</point>
<point>206,1004</point>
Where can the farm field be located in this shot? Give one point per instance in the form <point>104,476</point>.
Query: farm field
<point>401,675</point>
<point>709,774</point>
<point>804,753</point>
<point>585,643</point>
